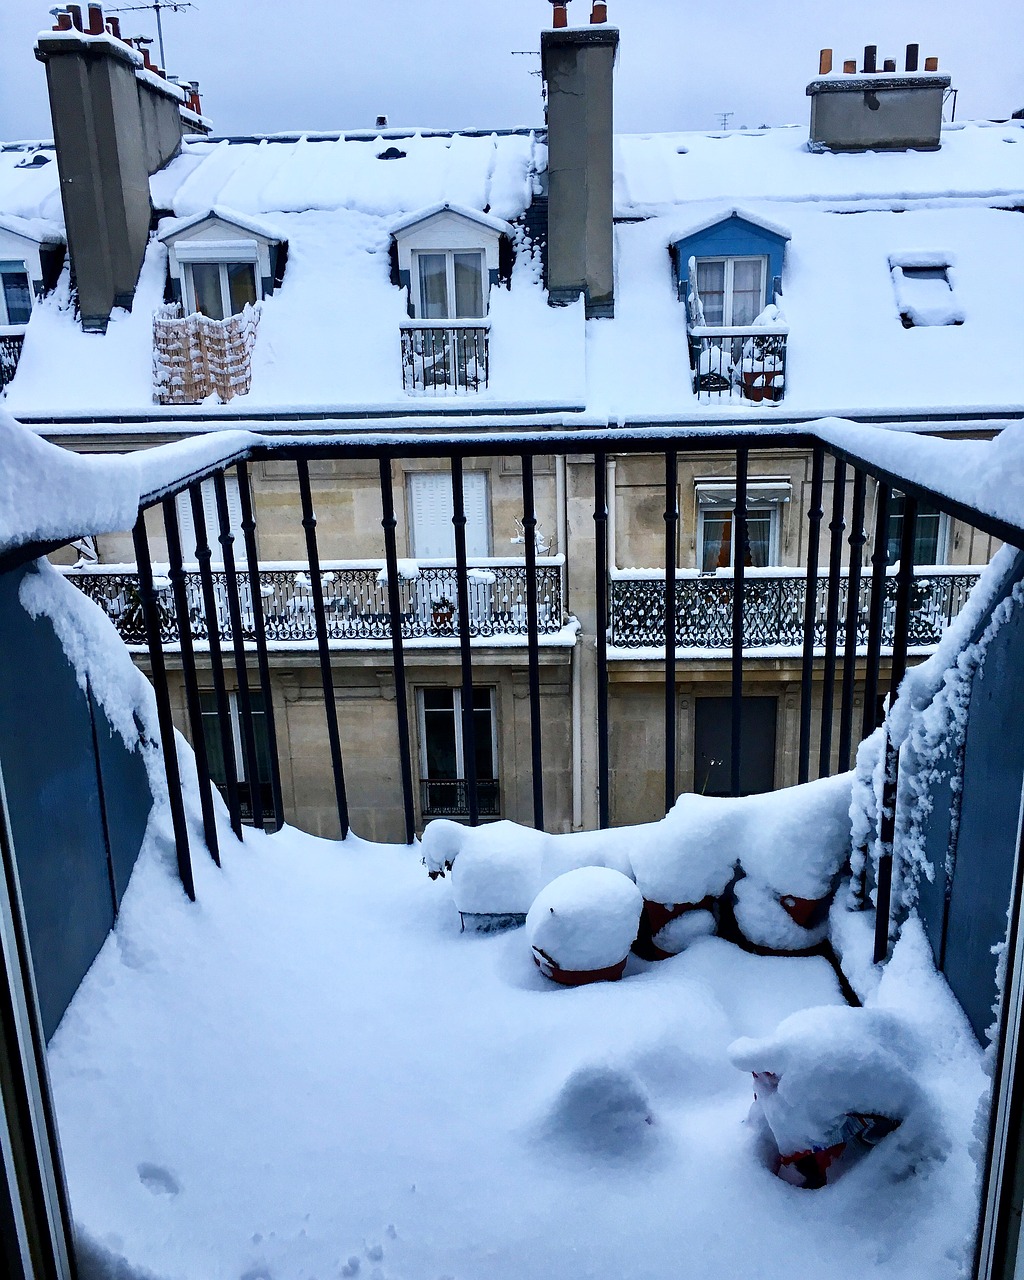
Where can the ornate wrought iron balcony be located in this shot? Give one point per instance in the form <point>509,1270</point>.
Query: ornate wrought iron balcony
<point>773,614</point>
<point>445,359</point>
<point>11,342</point>
<point>449,797</point>
<point>738,364</point>
<point>355,601</point>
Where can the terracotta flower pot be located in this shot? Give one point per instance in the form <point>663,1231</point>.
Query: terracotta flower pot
<point>576,977</point>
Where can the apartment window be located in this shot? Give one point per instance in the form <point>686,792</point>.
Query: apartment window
<point>443,792</point>
<point>15,293</point>
<point>431,510</point>
<point>732,290</point>
<point>187,528</point>
<point>716,537</point>
<point>215,750</point>
<point>220,289</point>
<point>451,285</point>
<point>931,533</point>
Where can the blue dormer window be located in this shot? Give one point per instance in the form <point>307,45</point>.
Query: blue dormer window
<point>733,264</point>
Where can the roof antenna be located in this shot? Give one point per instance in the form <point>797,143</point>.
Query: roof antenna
<point>176,6</point>
<point>724,117</point>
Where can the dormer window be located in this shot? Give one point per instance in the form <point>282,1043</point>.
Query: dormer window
<point>732,290</point>
<point>220,281</point>
<point>15,293</point>
<point>451,285</point>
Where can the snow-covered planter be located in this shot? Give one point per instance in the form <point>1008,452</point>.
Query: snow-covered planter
<point>581,926</point>
<point>829,1085</point>
<point>497,870</point>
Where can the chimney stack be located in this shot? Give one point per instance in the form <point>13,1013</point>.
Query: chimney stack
<point>112,128</point>
<point>577,67</point>
<point>876,110</point>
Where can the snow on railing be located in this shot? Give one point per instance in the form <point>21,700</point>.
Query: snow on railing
<point>730,363</point>
<point>445,359</point>
<point>11,341</point>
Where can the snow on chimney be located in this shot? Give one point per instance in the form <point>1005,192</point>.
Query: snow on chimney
<point>599,13</point>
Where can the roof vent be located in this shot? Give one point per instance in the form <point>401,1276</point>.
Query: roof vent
<point>877,110</point>
<point>382,122</point>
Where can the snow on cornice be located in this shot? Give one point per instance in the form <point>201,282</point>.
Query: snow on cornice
<point>39,230</point>
<point>171,227</point>
<point>472,215</point>
<point>685,229</point>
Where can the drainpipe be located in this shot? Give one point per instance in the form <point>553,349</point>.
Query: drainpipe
<point>577,736</point>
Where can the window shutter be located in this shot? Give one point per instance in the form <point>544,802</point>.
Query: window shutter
<point>432,510</point>
<point>186,525</point>
<point>474,491</point>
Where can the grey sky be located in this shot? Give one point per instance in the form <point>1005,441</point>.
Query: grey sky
<point>310,64</point>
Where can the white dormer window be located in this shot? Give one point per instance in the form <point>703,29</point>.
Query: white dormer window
<point>15,293</point>
<point>451,285</point>
<point>219,278</point>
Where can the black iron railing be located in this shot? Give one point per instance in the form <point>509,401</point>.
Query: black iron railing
<point>355,601</point>
<point>738,364</point>
<point>449,798</point>
<point>774,608</point>
<point>445,359</point>
<point>10,354</point>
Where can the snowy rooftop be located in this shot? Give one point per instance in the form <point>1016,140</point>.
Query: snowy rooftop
<point>329,337</point>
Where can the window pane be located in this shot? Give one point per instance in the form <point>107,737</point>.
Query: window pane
<point>469,286</point>
<point>759,539</point>
<point>433,286</point>
<point>241,285</point>
<point>482,712</point>
<point>717,550</point>
<point>927,542</point>
<point>211,734</point>
<point>206,287</point>
<point>747,299</point>
<point>17,297</point>
<point>711,287</point>
<point>439,733</point>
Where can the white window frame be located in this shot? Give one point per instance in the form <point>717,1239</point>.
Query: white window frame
<point>943,539</point>
<point>220,253</point>
<point>16,264</point>
<point>730,260</point>
<point>753,508</point>
<point>460,753</point>
<point>449,256</point>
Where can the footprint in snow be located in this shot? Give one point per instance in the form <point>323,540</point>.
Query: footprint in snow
<point>351,1268</point>
<point>159,1180</point>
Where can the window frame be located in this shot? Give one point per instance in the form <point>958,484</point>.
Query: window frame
<point>943,539</point>
<point>480,500</point>
<point>449,257</point>
<point>209,714</point>
<point>18,267</point>
<point>460,749</point>
<point>188,288</point>
<point>755,508</point>
<point>728,282</point>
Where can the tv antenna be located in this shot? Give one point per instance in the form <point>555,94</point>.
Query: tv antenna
<point>176,6</point>
<point>526,53</point>
<point>723,118</point>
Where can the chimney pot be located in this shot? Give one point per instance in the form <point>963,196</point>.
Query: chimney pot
<point>599,13</point>
<point>560,16</point>
<point>97,27</point>
<point>824,62</point>
<point>75,14</point>
<point>63,22</point>
<point>889,64</point>
<point>931,64</point>
<point>849,67</point>
<point>913,52</point>
<point>114,26</point>
<point>870,58</point>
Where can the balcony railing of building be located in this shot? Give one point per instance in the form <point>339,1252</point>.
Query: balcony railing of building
<point>355,600</point>
<point>775,607</point>
<point>449,798</point>
<point>11,342</point>
<point>738,364</point>
<point>195,357</point>
<point>445,359</point>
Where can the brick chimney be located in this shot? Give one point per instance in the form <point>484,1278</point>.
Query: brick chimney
<point>115,122</point>
<point>874,110</point>
<point>577,66</point>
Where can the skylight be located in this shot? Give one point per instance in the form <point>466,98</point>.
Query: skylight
<point>924,293</point>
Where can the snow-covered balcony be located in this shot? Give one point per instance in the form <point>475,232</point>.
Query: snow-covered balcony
<point>12,338</point>
<point>355,600</point>
<point>445,359</point>
<point>775,607</point>
<point>743,364</point>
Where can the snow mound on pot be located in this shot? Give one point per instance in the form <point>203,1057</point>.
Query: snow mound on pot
<point>602,1109</point>
<point>677,935</point>
<point>764,921</point>
<point>585,919</point>
<point>831,1062</point>
<point>495,869</point>
<point>690,853</point>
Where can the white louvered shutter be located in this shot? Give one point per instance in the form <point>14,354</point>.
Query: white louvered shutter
<point>433,534</point>
<point>187,528</point>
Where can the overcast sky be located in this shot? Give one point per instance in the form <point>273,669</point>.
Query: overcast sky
<point>310,64</point>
